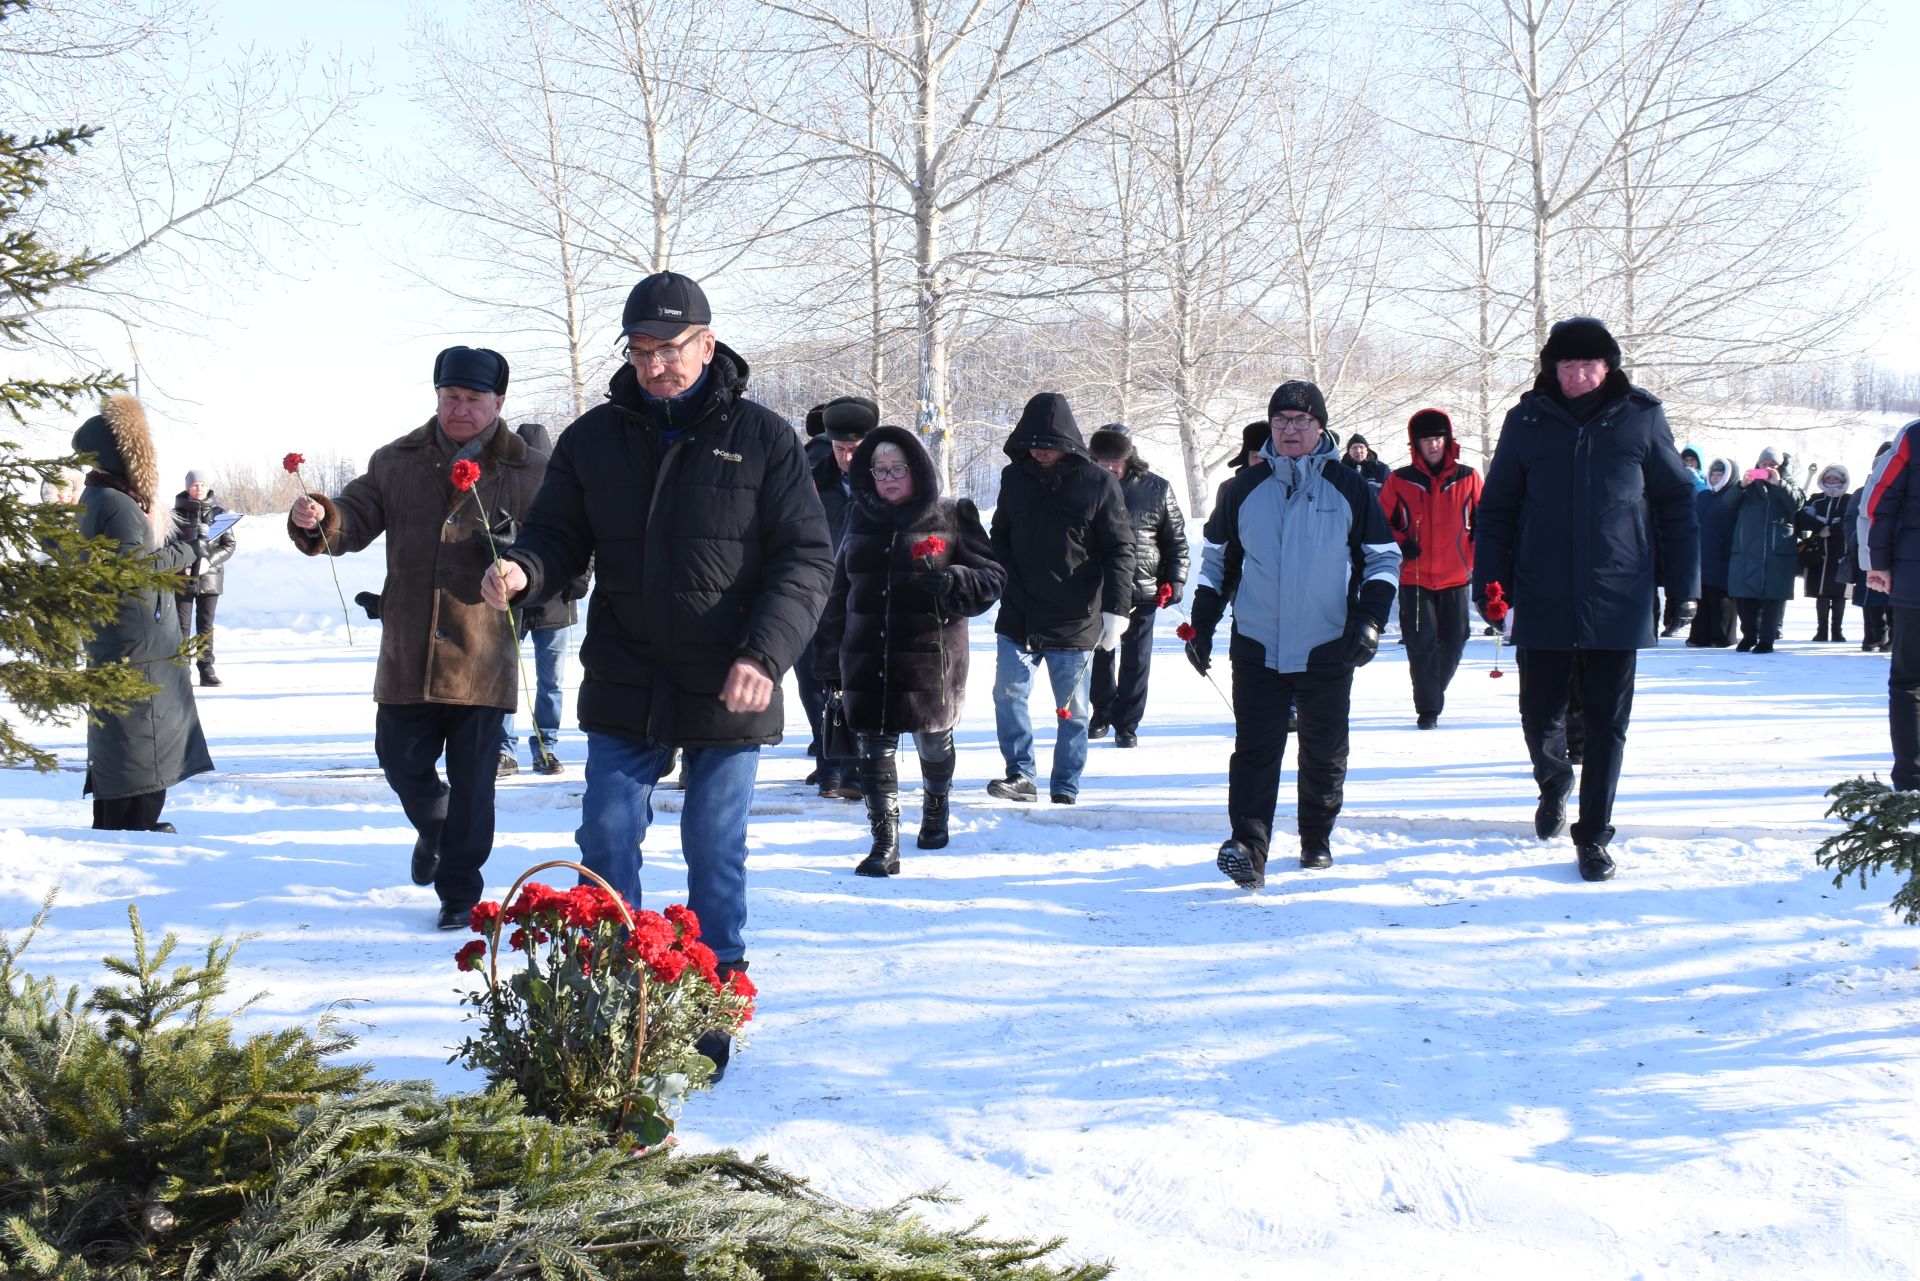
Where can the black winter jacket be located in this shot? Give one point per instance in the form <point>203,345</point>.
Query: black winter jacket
<point>710,551</point>
<point>1062,535</point>
<point>1159,533</point>
<point>834,500</point>
<point>1571,513</point>
<point>897,650</point>
<point>563,608</point>
<point>188,516</point>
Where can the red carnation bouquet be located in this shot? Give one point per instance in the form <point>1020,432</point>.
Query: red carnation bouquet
<point>1496,609</point>
<point>292,463</point>
<point>592,1009</point>
<point>928,552</point>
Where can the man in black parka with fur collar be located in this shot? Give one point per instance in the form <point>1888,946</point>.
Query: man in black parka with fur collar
<point>711,562</point>
<point>1062,534</point>
<point>1586,496</point>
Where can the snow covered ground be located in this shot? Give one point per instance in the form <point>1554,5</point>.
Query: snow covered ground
<point>1446,1056</point>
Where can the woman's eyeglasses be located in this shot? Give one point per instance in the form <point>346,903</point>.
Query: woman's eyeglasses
<point>890,473</point>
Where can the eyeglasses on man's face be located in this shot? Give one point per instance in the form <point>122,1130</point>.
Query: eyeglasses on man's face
<point>896,472</point>
<point>665,354</point>
<point>1293,422</point>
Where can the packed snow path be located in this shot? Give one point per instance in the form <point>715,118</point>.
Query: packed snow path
<point>1445,1056</point>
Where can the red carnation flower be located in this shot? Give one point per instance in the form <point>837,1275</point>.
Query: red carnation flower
<point>929,547</point>
<point>465,473</point>
<point>1063,713</point>
<point>684,920</point>
<point>1185,631</point>
<point>667,967</point>
<point>292,462</point>
<point>470,956</point>
<point>1165,596</point>
<point>483,916</point>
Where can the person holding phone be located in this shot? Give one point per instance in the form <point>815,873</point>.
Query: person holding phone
<point>1765,555</point>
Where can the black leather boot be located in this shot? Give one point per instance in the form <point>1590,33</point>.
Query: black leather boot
<point>937,786</point>
<point>880,787</point>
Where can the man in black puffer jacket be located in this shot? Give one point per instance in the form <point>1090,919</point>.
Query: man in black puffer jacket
<point>1061,533</point>
<point>712,563</point>
<point>844,423</point>
<point>1159,578</point>
<point>1585,497</point>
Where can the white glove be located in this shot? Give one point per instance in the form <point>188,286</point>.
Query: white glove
<point>1111,627</point>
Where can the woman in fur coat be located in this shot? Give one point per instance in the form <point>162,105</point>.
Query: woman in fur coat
<point>893,639</point>
<point>135,755</point>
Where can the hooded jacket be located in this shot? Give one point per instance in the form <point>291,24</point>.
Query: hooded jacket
<point>1298,545</point>
<point>705,551</point>
<point>1764,554</point>
<point>1716,527</point>
<point>1574,517</point>
<point>188,517</point>
<point>158,741</point>
<point>1826,564</point>
<point>896,649</point>
<point>439,641</point>
<point>1433,508</point>
<point>1061,534</point>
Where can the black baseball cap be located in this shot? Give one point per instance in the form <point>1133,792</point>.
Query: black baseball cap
<point>664,305</point>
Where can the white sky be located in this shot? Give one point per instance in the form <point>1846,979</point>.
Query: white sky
<point>333,357</point>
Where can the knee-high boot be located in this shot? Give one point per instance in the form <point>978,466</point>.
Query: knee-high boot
<point>880,783</point>
<point>937,786</point>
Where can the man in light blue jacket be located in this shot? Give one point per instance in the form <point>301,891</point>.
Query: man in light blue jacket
<point>1300,546</point>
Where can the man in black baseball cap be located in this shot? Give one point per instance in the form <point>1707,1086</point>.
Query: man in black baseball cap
<point>712,563</point>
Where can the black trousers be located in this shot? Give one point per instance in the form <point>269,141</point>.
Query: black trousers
<point>1903,699</point>
<point>1433,623</point>
<point>1714,624</point>
<point>129,813</point>
<point>409,739</point>
<point>1828,609</point>
<point>1260,700</point>
<point>1121,701</point>
<point>1605,679</point>
<point>201,608</point>
<point>1760,619</point>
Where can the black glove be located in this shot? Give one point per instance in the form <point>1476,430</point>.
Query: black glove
<point>1362,640</point>
<point>369,601</point>
<point>1410,548</point>
<point>937,583</point>
<point>1200,652</point>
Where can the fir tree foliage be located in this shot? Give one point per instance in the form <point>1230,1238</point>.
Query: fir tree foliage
<point>141,1140</point>
<point>56,588</point>
<point>1880,836</point>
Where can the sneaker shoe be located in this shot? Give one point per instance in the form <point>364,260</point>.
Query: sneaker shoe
<point>1314,853</point>
<point>1595,863</point>
<point>1550,817</point>
<point>1427,720</point>
<point>1013,788</point>
<point>507,767</point>
<point>1061,798</point>
<point>1097,728</point>
<point>426,860</point>
<point>1125,738</point>
<point>1246,868</point>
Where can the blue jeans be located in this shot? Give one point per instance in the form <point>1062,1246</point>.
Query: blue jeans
<point>618,809</point>
<point>1067,670</point>
<point>549,652</point>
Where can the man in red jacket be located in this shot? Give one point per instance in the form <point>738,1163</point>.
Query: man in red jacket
<point>1430,506</point>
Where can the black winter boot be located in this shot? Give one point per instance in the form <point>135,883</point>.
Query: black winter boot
<point>206,675</point>
<point>937,786</point>
<point>879,782</point>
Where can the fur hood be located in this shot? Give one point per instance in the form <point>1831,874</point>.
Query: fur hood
<point>122,446</point>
